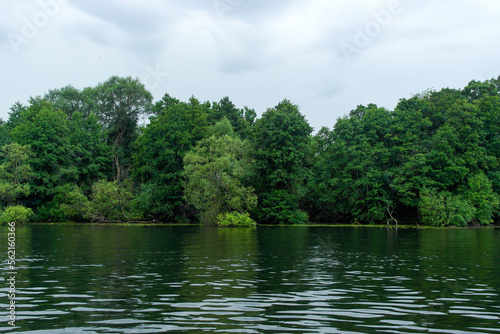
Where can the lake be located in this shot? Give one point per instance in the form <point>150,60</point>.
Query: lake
<point>195,279</point>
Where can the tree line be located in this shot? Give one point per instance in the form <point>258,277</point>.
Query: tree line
<point>86,155</point>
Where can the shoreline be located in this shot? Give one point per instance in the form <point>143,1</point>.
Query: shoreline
<point>157,224</point>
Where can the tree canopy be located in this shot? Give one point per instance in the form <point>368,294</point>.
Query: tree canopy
<point>76,154</point>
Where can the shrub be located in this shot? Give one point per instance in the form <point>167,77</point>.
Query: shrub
<point>18,214</point>
<point>235,219</point>
<point>69,204</point>
<point>481,195</point>
<point>444,208</point>
<point>280,207</point>
<point>111,202</point>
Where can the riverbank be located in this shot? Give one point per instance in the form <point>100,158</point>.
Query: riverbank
<point>157,224</point>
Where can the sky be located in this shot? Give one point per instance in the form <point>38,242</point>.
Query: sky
<point>325,56</point>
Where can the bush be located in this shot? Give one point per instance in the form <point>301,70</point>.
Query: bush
<point>481,195</point>
<point>69,204</point>
<point>444,208</point>
<point>235,219</point>
<point>17,214</point>
<point>280,207</point>
<point>111,202</point>
<point>298,217</point>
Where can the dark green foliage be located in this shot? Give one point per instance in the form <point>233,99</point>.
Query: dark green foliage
<point>47,132</point>
<point>158,162</point>
<point>281,207</point>
<point>15,173</point>
<point>356,167</point>
<point>71,100</point>
<point>65,151</point>
<point>120,103</point>
<point>241,119</point>
<point>282,143</point>
<point>426,157</point>
<point>215,172</point>
<point>435,158</point>
<point>90,155</point>
<point>4,134</point>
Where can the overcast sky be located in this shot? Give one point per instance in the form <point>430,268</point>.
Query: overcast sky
<point>325,56</point>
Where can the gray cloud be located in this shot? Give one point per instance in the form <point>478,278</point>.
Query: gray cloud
<point>256,52</point>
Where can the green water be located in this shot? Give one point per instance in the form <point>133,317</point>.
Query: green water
<point>116,279</point>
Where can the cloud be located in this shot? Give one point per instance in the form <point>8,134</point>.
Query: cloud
<point>255,52</point>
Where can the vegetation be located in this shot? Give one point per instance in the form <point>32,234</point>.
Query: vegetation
<point>215,172</point>
<point>18,214</point>
<point>81,155</point>
<point>235,219</point>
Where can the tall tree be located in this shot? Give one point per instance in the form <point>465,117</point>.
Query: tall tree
<point>282,141</point>
<point>158,162</point>
<point>71,100</point>
<point>120,103</point>
<point>358,179</point>
<point>215,172</point>
<point>47,132</point>
<point>241,119</point>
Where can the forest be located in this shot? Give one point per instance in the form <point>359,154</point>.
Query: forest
<point>110,154</point>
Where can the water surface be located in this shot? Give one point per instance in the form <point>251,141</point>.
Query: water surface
<point>117,279</point>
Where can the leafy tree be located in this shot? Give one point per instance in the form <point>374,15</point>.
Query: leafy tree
<point>15,113</point>
<point>282,141</point>
<point>18,214</point>
<point>110,202</point>
<point>215,171</point>
<point>318,206</point>
<point>120,103</point>
<point>4,134</point>
<point>72,100</point>
<point>444,208</point>
<point>65,151</point>
<point>476,90</point>
<point>47,132</point>
<point>358,175</point>
<point>241,119</point>
<point>160,150</point>
<point>90,156</point>
<point>481,196</point>
<point>15,172</point>
<point>69,204</point>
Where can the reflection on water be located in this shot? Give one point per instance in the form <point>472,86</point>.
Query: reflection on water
<point>96,279</point>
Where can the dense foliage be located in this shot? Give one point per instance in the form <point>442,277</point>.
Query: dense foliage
<point>81,155</point>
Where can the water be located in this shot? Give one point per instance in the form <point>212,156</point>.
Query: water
<point>112,279</point>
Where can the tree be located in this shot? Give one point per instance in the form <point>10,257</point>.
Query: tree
<point>17,214</point>
<point>111,202</point>
<point>15,172</point>
<point>481,196</point>
<point>215,171</point>
<point>71,100</point>
<point>120,103</point>
<point>357,171</point>
<point>476,90</point>
<point>160,150</point>
<point>47,132</point>
<point>241,119</point>
<point>444,208</point>
<point>90,155</point>
<point>282,142</point>
<point>4,134</point>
